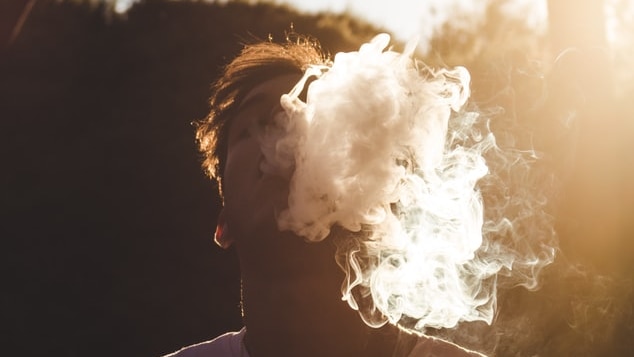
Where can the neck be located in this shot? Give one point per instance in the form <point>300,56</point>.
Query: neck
<point>307,318</point>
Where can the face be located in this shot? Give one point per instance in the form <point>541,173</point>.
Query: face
<point>252,197</point>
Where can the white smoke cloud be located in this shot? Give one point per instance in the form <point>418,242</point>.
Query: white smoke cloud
<point>440,215</point>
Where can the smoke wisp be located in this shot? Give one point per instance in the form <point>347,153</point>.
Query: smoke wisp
<point>439,215</point>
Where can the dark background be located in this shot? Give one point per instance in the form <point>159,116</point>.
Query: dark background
<point>107,218</point>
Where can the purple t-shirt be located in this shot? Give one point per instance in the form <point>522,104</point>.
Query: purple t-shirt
<point>231,345</point>
<point>228,345</point>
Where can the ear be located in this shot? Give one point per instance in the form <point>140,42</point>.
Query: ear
<point>222,237</point>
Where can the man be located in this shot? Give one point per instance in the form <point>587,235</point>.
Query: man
<point>291,295</point>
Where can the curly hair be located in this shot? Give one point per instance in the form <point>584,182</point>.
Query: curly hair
<point>256,63</point>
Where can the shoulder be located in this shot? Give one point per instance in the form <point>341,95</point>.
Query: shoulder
<point>227,345</point>
<point>432,347</point>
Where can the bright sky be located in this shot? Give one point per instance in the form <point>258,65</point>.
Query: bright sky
<point>405,19</point>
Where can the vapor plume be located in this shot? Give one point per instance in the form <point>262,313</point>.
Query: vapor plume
<point>439,215</point>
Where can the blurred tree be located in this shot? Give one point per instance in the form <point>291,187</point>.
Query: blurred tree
<point>583,79</point>
<point>554,93</point>
<point>13,15</point>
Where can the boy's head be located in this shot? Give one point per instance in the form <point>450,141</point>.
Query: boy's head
<point>255,64</point>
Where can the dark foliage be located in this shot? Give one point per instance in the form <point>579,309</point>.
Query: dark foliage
<point>107,217</point>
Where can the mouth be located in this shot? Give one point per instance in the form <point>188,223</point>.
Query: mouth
<point>268,169</point>
<point>273,179</point>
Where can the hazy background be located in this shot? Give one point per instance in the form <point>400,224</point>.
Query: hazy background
<point>107,218</point>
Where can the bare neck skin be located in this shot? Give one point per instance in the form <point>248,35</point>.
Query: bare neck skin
<point>301,313</point>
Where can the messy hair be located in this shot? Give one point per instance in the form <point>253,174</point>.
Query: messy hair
<point>256,63</point>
